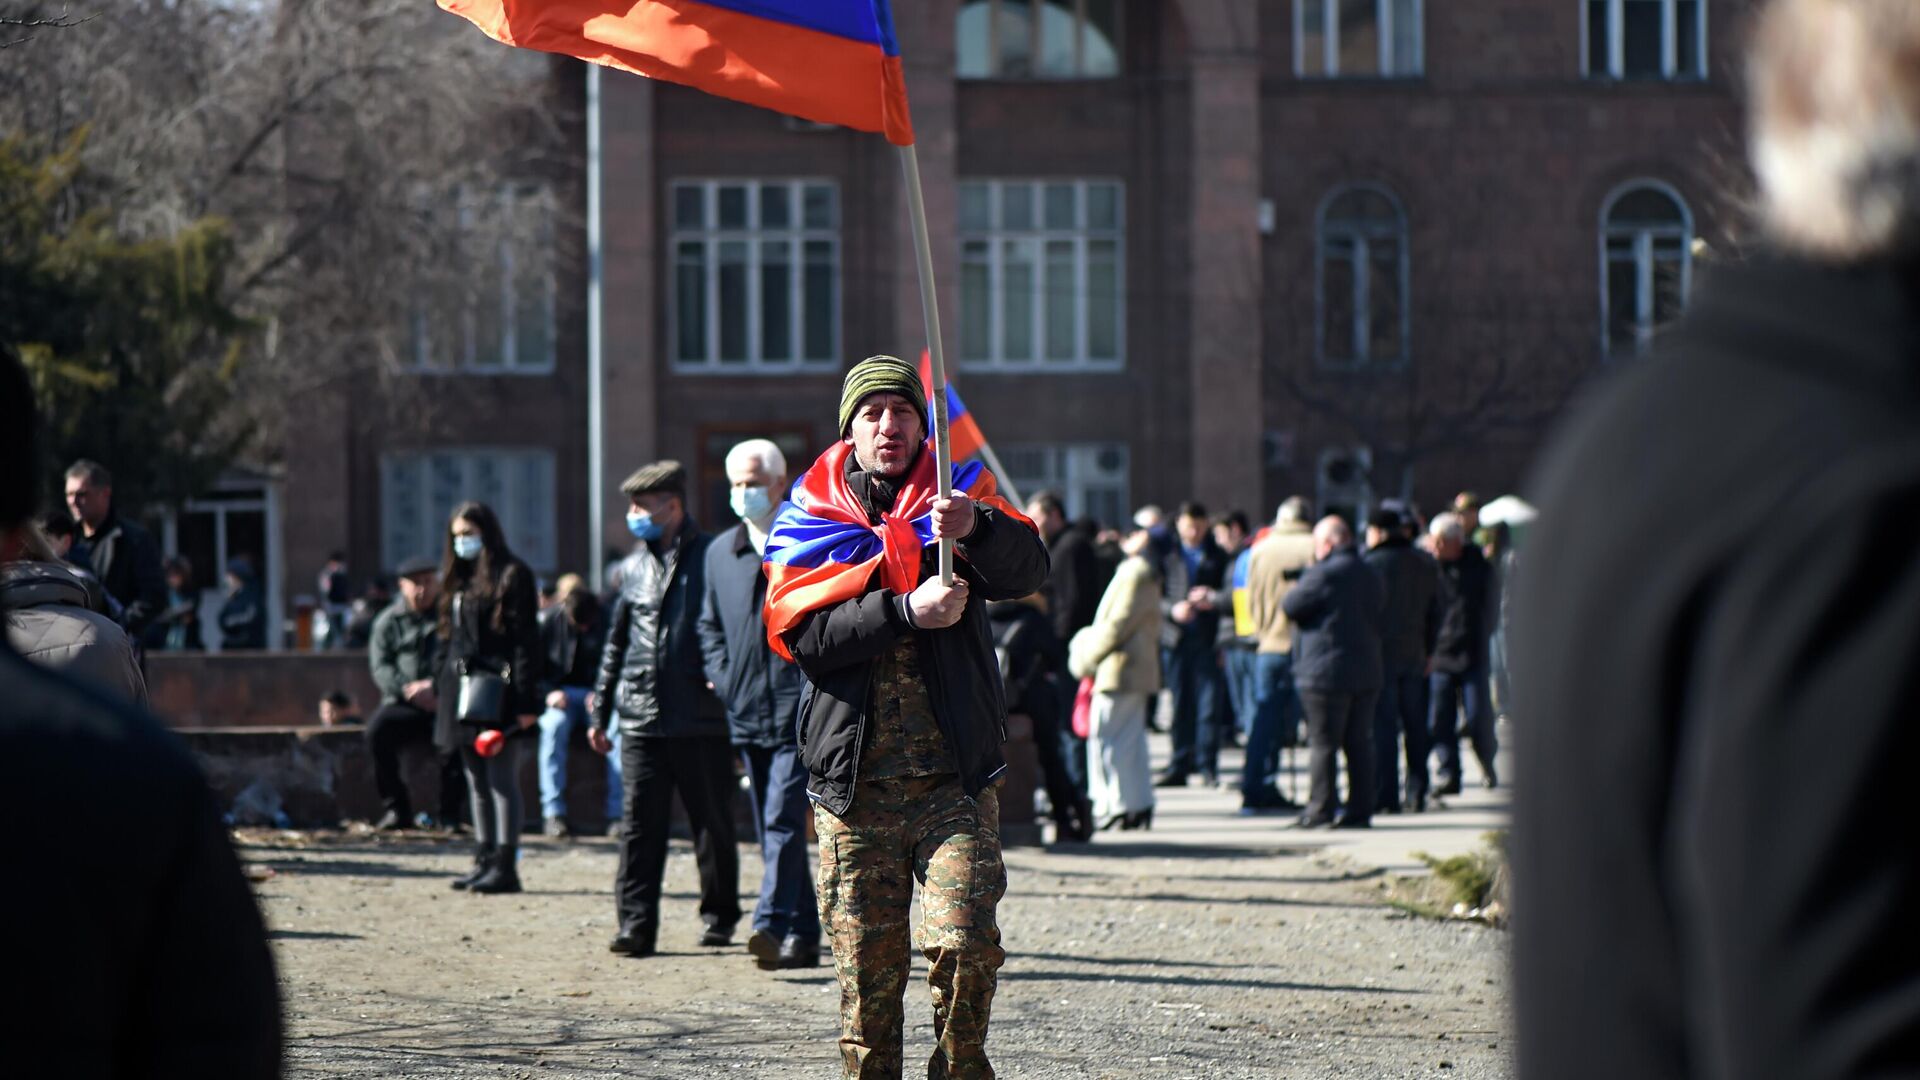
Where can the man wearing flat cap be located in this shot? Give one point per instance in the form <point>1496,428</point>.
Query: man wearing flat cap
<point>902,723</point>
<point>673,732</point>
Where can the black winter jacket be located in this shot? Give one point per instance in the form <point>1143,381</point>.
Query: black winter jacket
<point>1336,608</point>
<point>1031,659</point>
<point>651,672</point>
<point>1412,617</point>
<point>1467,600</point>
<point>1073,580</point>
<point>836,646</point>
<point>513,646</point>
<point>127,561</point>
<point>761,691</point>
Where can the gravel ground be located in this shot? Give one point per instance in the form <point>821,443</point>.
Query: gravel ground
<point>1165,961</point>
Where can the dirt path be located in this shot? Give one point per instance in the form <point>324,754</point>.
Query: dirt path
<point>1166,961</point>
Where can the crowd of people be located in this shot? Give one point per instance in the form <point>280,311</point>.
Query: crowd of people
<point>1232,636</point>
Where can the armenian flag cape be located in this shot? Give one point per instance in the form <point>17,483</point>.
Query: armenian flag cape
<point>822,550</point>
<point>831,61</point>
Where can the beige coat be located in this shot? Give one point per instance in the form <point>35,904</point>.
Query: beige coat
<point>1121,647</point>
<point>1286,548</point>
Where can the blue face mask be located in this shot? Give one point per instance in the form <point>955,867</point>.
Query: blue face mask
<point>466,547</point>
<point>642,526</point>
<point>751,503</point>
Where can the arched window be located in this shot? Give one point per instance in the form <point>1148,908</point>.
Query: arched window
<point>1038,39</point>
<point>1646,262</point>
<point>1362,280</point>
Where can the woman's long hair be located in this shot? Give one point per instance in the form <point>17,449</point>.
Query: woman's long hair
<point>480,578</point>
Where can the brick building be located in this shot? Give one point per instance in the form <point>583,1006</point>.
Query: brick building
<point>1186,248</point>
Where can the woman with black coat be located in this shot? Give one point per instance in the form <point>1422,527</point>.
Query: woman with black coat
<point>489,622</point>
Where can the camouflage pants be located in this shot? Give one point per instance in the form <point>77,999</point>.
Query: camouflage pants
<point>897,831</point>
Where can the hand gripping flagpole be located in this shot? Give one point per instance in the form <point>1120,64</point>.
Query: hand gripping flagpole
<point>930,304</point>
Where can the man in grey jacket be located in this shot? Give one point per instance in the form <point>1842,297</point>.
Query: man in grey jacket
<point>404,652</point>
<point>46,608</point>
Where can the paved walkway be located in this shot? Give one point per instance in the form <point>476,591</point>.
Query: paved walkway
<point>1205,818</point>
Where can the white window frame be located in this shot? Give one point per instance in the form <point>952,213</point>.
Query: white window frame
<point>1073,471</point>
<point>1362,298</point>
<point>540,552</point>
<point>1038,43</point>
<point>1039,236</point>
<point>509,199</point>
<point>1643,238</point>
<point>796,234</point>
<point>1330,41</point>
<point>1669,41</point>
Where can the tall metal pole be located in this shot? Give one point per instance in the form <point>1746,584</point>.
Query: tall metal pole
<point>596,373</point>
<point>930,305</point>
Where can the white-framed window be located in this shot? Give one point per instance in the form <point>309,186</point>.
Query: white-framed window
<point>1358,39</point>
<point>418,491</point>
<point>755,275</point>
<point>1091,478</point>
<point>1646,262</point>
<point>1362,280</point>
<point>1042,275</point>
<point>502,320</point>
<point>1038,39</point>
<point>1644,39</point>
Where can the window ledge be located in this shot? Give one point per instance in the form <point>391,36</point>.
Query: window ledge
<point>1059,367</point>
<point>704,370</point>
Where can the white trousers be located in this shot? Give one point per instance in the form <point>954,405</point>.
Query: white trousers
<point>1119,773</point>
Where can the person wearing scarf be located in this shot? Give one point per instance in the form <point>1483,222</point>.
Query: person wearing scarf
<point>902,723</point>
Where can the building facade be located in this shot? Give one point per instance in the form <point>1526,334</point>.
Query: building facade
<point>1201,249</point>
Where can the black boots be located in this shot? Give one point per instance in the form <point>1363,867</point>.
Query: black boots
<point>502,876</point>
<point>482,861</point>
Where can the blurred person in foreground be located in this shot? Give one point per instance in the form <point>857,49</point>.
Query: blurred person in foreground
<point>1714,869</point>
<point>50,614</point>
<point>144,959</point>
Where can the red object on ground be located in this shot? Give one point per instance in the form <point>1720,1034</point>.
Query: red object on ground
<point>489,742</point>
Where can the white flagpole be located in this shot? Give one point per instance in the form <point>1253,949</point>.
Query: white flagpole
<point>930,305</point>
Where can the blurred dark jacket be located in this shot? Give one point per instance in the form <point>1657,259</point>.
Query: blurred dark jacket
<point>130,959</point>
<point>1335,609</point>
<point>1411,621</point>
<point>127,563</point>
<point>1713,644</point>
<point>44,610</point>
<point>761,691</point>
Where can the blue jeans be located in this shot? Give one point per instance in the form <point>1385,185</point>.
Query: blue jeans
<point>780,811</point>
<point>1243,686</point>
<point>1402,711</point>
<point>1450,695</point>
<point>556,727</point>
<point>1276,723</point>
<point>1194,673</point>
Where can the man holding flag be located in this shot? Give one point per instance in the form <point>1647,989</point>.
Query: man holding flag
<point>902,726</point>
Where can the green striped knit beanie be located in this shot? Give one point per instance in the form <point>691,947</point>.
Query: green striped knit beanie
<point>881,375</point>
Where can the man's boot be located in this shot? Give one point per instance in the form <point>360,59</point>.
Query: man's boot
<point>503,876</point>
<point>482,860</point>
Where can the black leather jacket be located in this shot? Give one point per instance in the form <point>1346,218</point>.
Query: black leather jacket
<point>650,670</point>
<point>836,647</point>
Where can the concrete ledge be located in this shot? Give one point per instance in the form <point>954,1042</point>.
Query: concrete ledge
<point>254,689</point>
